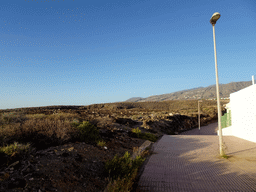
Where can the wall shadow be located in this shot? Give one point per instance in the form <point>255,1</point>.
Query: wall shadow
<point>191,163</point>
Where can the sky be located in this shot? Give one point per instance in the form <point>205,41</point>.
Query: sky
<point>82,52</point>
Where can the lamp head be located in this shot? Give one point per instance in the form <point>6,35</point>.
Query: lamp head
<point>214,18</point>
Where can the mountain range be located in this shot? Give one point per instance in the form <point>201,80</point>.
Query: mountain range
<point>197,93</point>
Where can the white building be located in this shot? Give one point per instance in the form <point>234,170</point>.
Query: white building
<point>243,114</point>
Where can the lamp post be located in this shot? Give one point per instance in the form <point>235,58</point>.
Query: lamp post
<point>199,101</point>
<point>213,21</point>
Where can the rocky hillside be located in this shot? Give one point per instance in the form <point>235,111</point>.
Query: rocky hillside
<point>197,93</point>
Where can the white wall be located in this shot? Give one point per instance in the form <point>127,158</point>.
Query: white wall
<point>243,113</point>
<point>227,131</point>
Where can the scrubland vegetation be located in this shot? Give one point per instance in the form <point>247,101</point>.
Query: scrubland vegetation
<point>122,172</point>
<point>20,133</point>
<point>107,126</point>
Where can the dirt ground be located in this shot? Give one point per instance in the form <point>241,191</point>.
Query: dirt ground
<point>69,167</point>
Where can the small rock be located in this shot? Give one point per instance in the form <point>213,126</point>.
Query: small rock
<point>71,149</point>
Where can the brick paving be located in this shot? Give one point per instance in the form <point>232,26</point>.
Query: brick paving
<point>205,130</point>
<point>191,162</point>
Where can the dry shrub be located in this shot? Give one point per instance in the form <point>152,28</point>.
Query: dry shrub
<point>122,172</point>
<point>41,132</point>
<point>63,116</point>
<point>8,133</point>
<point>58,131</point>
<point>45,130</point>
<point>36,116</point>
<point>12,117</point>
<point>124,184</point>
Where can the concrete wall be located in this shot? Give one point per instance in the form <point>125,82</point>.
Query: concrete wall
<point>243,113</point>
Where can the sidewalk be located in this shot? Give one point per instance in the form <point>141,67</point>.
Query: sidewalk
<point>192,163</point>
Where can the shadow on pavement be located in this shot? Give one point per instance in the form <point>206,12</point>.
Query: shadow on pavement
<point>192,163</point>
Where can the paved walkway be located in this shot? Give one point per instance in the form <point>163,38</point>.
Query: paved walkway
<point>191,162</point>
<point>205,130</point>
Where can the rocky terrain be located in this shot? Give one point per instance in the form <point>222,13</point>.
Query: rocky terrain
<point>79,166</point>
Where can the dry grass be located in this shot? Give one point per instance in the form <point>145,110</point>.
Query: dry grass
<point>58,128</point>
<point>40,131</point>
<point>12,117</point>
<point>37,129</point>
<point>63,116</point>
<point>124,184</point>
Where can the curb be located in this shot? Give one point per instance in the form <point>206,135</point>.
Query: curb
<point>141,169</point>
<point>141,149</point>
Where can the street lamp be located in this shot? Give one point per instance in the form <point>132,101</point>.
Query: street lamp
<point>199,101</point>
<point>213,21</point>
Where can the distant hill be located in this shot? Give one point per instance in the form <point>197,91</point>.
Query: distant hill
<point>134,99</point>
<point>197,93</point>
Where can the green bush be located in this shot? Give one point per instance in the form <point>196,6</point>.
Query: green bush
<point>9,153</point>
<point>87,131</point>
<point>136,131</point>
<point>18,148</point>
<point>101,143</point>
<point>122,167</point>
<point>75,122</point>
<point>149,136</point>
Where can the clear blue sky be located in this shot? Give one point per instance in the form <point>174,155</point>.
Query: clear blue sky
<point>81,52</point>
